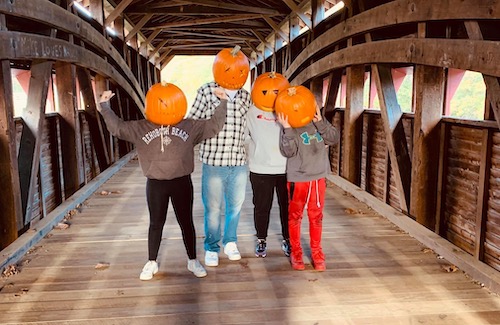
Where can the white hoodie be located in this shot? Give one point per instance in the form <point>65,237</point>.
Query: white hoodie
<point>264,156</point>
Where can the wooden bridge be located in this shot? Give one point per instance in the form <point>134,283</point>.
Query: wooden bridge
<point>412,227</point>
<point>376,272</point>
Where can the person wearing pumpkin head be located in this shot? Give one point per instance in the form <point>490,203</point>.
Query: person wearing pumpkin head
<point>266,163</point>
<point>304,141</point>
<point>225,172</point>
<point>165,146</point>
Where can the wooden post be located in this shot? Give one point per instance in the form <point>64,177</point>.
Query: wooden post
<point>70,128</point>
<point>353,126</point>
<point>10,201</point>
<point>429,100</point>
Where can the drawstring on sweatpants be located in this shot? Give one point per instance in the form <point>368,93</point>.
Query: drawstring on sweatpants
<point>161,137</point>
<point>318,204</point>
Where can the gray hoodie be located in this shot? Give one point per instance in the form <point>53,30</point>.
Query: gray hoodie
<point>307,150</point>
<point>165,151</point>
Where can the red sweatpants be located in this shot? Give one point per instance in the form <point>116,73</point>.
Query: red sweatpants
<point>301,194</point>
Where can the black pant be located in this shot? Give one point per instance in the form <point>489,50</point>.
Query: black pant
<point>263,193</point>
<point>158,194</point>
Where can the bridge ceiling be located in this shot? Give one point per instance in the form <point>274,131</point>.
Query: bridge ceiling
<point>205,26</point>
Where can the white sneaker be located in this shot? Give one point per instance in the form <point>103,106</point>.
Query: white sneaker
<point>150,269</point>
<point>231,250</point>
<point>211,258</point>
<point>197,269</point>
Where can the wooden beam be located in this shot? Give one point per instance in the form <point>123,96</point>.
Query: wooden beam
<point>429,90</point>
<point>408,51</point>
<point>210,35</point>
<point>158,48</point>
<point>29,147</point>
<point>276,28</point>
<point>163,56</point>
<point>334,82</point>
<point>394,133</point>
<point>263,40</point>
<point>117,12</point>
<point>353,126</point>
<point>62,19</point>
<point>71,147</point>
<point>138,27</point>
<point>492,84</point>
<point>207,44</point>
<point>29,46</point>
<point>96,8</point>
<point>317,12</point>
<point>166,61</point>
<point>235,7</point>
<point>151,37</point>
<point>291,4</point>
<point>10,201</point>
<point>205,21</point>
<point>98,139</point>
<point>396,12</point>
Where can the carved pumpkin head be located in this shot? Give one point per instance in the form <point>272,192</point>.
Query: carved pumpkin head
<point>231,68</point>
<point>266,88</point>
<point>298,103</point>
<point>166,104</point>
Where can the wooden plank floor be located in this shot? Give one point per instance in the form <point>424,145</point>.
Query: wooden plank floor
<point>377,274</point>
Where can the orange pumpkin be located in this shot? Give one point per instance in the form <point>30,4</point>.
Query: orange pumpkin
<point>166,104</point>
<point>230,68</point>
<point>266,88</point>
<point>298,103</point>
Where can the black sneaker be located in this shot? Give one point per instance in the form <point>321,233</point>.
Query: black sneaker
<point>285,246</point>
<point>261,249</point>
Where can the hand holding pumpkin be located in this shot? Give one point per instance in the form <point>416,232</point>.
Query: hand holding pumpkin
<point>283,120</point>
<point>221,93</point>
<point>317,116</point>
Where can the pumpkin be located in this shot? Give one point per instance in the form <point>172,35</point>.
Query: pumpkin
<point>266,88</point>
<point>166,104</point>
<point>298,103</point>
<point>230,68</point>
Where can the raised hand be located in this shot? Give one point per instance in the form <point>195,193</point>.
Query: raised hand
<point>106,96</point>
<point>221,93</point>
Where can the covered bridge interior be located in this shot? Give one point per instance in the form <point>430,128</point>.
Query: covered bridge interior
<point>431,174</point>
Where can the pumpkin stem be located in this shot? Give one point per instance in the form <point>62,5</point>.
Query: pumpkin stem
<point>164,83</point>
<point>272,74</point>
<point>292,91</point>
<point>235,50</point>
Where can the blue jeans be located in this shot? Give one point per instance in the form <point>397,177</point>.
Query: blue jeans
<point>222,184</point>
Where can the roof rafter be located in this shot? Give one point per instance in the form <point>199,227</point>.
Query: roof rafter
<point>194,22</point>
<point>242,8</point>
<point>298,12</point>
<point>117,12</point>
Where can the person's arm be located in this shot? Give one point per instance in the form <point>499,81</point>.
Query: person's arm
<point>328,132</point>
<point>200,105</point>
<point>116,126</point>
<point>288,139</point>
<point>211,127</point>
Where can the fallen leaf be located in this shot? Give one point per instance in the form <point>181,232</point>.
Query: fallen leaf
<point>450,268</point>
<point>101,266</point>
<point>10,270</point>
<point>61,226</point>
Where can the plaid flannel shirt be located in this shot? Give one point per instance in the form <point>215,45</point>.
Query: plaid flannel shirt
<point>226,148</point>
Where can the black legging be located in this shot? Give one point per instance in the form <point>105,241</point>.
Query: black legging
<point>158,194</point>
